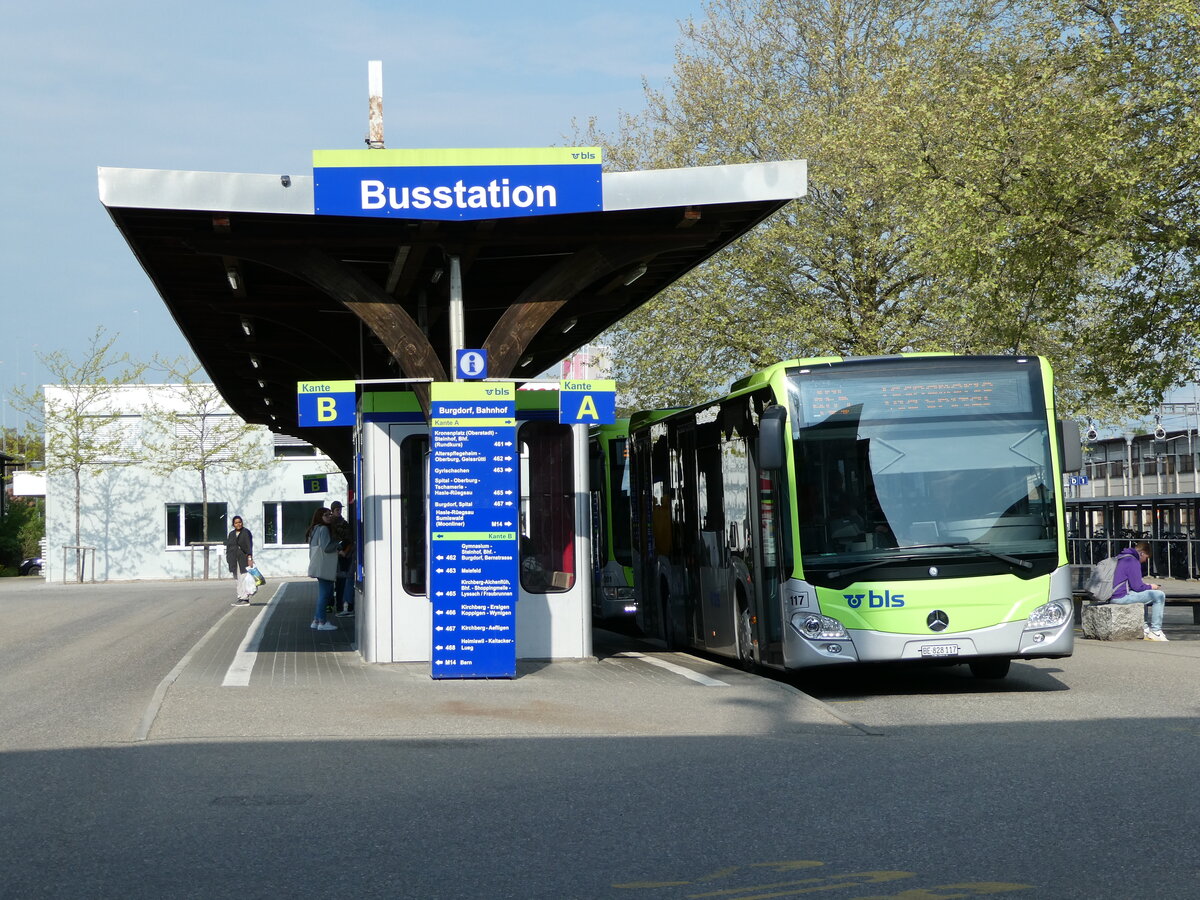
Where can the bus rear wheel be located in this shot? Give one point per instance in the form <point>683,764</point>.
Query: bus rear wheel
<point>745,637</point>
<point>990,667</point>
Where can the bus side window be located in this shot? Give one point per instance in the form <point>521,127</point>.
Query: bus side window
<point>547,507</point>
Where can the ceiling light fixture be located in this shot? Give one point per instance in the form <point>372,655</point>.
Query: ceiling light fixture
<point>247,326</point>
<point>637,272</point>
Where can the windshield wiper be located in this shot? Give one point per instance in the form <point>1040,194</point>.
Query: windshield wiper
<point>952,545</point>
<point>1003,557</point>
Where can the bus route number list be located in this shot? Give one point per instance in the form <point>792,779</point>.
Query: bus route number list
<point>473,525</point>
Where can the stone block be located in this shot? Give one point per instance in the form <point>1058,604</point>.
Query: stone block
<point>1114,621</point>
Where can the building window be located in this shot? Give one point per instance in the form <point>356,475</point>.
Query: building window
<point>547,507</point>
<point>185,523</point>
<point>285,522</point>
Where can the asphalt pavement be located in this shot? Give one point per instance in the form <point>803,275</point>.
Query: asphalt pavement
<point>235,752</point>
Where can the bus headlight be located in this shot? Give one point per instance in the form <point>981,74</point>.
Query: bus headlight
<point>817,627</point>
<point>1048,615</point>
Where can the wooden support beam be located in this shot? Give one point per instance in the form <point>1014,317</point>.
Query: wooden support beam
<point>537,304</point>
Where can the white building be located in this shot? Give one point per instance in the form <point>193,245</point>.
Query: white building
<point>137,522</point>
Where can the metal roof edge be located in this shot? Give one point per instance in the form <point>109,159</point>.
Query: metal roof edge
<point>293,194</point>
<point>214,191</point>
<point>702,185</point>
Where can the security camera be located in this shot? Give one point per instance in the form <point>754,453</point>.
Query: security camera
<point>285,180</point>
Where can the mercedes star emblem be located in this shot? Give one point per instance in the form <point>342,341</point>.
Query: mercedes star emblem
<point>938,621</point>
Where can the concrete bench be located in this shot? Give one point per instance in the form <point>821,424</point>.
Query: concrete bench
<point>1113,621</point>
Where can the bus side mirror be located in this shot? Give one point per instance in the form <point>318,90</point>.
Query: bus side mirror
<point>1069,449</point>
<point>772,438</point>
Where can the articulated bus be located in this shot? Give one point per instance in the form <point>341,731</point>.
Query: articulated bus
<point>834,511</point>
<point>613,594</point>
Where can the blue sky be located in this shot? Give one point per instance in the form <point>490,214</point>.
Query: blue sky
<point>254,87</point>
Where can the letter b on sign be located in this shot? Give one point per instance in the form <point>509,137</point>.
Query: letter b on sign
<point>325,403</point>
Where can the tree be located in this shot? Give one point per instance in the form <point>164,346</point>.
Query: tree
<point>982,179</point>
<point>24,444</point>
<point>195,431</point>
<point>21,530</point>
<point>78,417</point>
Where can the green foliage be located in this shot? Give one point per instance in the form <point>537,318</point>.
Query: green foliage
<point>23,525</point>
<point>985,177</point>
<point>25,445</point>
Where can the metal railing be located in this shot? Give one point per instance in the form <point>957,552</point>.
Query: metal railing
<point>81,558</point>
<point>1172,555</point>
<point>206,546</point>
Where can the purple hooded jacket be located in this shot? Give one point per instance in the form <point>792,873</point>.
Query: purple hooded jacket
<point>1128,574</point>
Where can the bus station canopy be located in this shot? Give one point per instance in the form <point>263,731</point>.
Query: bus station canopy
<point>268,293</point>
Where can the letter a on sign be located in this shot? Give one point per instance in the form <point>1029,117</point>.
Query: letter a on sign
<point>587,402</point>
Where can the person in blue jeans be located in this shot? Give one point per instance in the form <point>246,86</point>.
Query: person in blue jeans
<point>322,565</point>
<point>1128,587</point>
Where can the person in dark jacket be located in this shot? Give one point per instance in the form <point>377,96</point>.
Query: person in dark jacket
<point>239,554</point>
<point>1128,587</point>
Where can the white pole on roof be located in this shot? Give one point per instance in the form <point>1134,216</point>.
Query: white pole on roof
<point>375,104</point>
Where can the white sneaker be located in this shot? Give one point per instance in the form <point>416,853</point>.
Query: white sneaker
<point>1151,634</point>
<point>329,626</point>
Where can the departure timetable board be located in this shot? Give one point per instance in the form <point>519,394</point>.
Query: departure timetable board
<point>861,396</point>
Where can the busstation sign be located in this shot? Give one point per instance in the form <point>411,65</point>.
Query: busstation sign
<point>457,183</point>
<point>474,498</point>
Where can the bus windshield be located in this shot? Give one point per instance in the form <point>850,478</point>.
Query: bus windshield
<point>935,459</point>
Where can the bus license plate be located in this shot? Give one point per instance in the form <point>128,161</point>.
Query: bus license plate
<point>939,649</point>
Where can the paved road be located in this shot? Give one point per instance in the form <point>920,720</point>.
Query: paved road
<point>136,763</point>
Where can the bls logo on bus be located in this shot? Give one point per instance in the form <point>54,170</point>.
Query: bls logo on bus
<point>886,600</point>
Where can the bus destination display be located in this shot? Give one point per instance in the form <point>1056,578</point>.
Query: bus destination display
<point>871,398</point>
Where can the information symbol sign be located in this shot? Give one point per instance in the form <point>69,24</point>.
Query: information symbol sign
<point>471,363</point>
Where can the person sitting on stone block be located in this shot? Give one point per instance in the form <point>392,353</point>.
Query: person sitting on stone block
<point>1128,587</point>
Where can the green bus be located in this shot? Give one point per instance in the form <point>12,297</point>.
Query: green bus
<point>833,511</point>
<point>613,593</point>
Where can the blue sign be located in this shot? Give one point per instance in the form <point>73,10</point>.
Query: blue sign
<point>316,484</point>
<point>474,497</point>
<point>457,184</point>
<point>587,402</point>
<point>324,403</point>
<point>470,364</point>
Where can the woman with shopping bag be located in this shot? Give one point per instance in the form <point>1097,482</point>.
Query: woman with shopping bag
<point>239,555</point>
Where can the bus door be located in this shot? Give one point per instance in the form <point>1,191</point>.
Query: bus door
<point>767,611</point>
<point>716,577</point>
<point>686,561</point>
<point>739,542</point>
